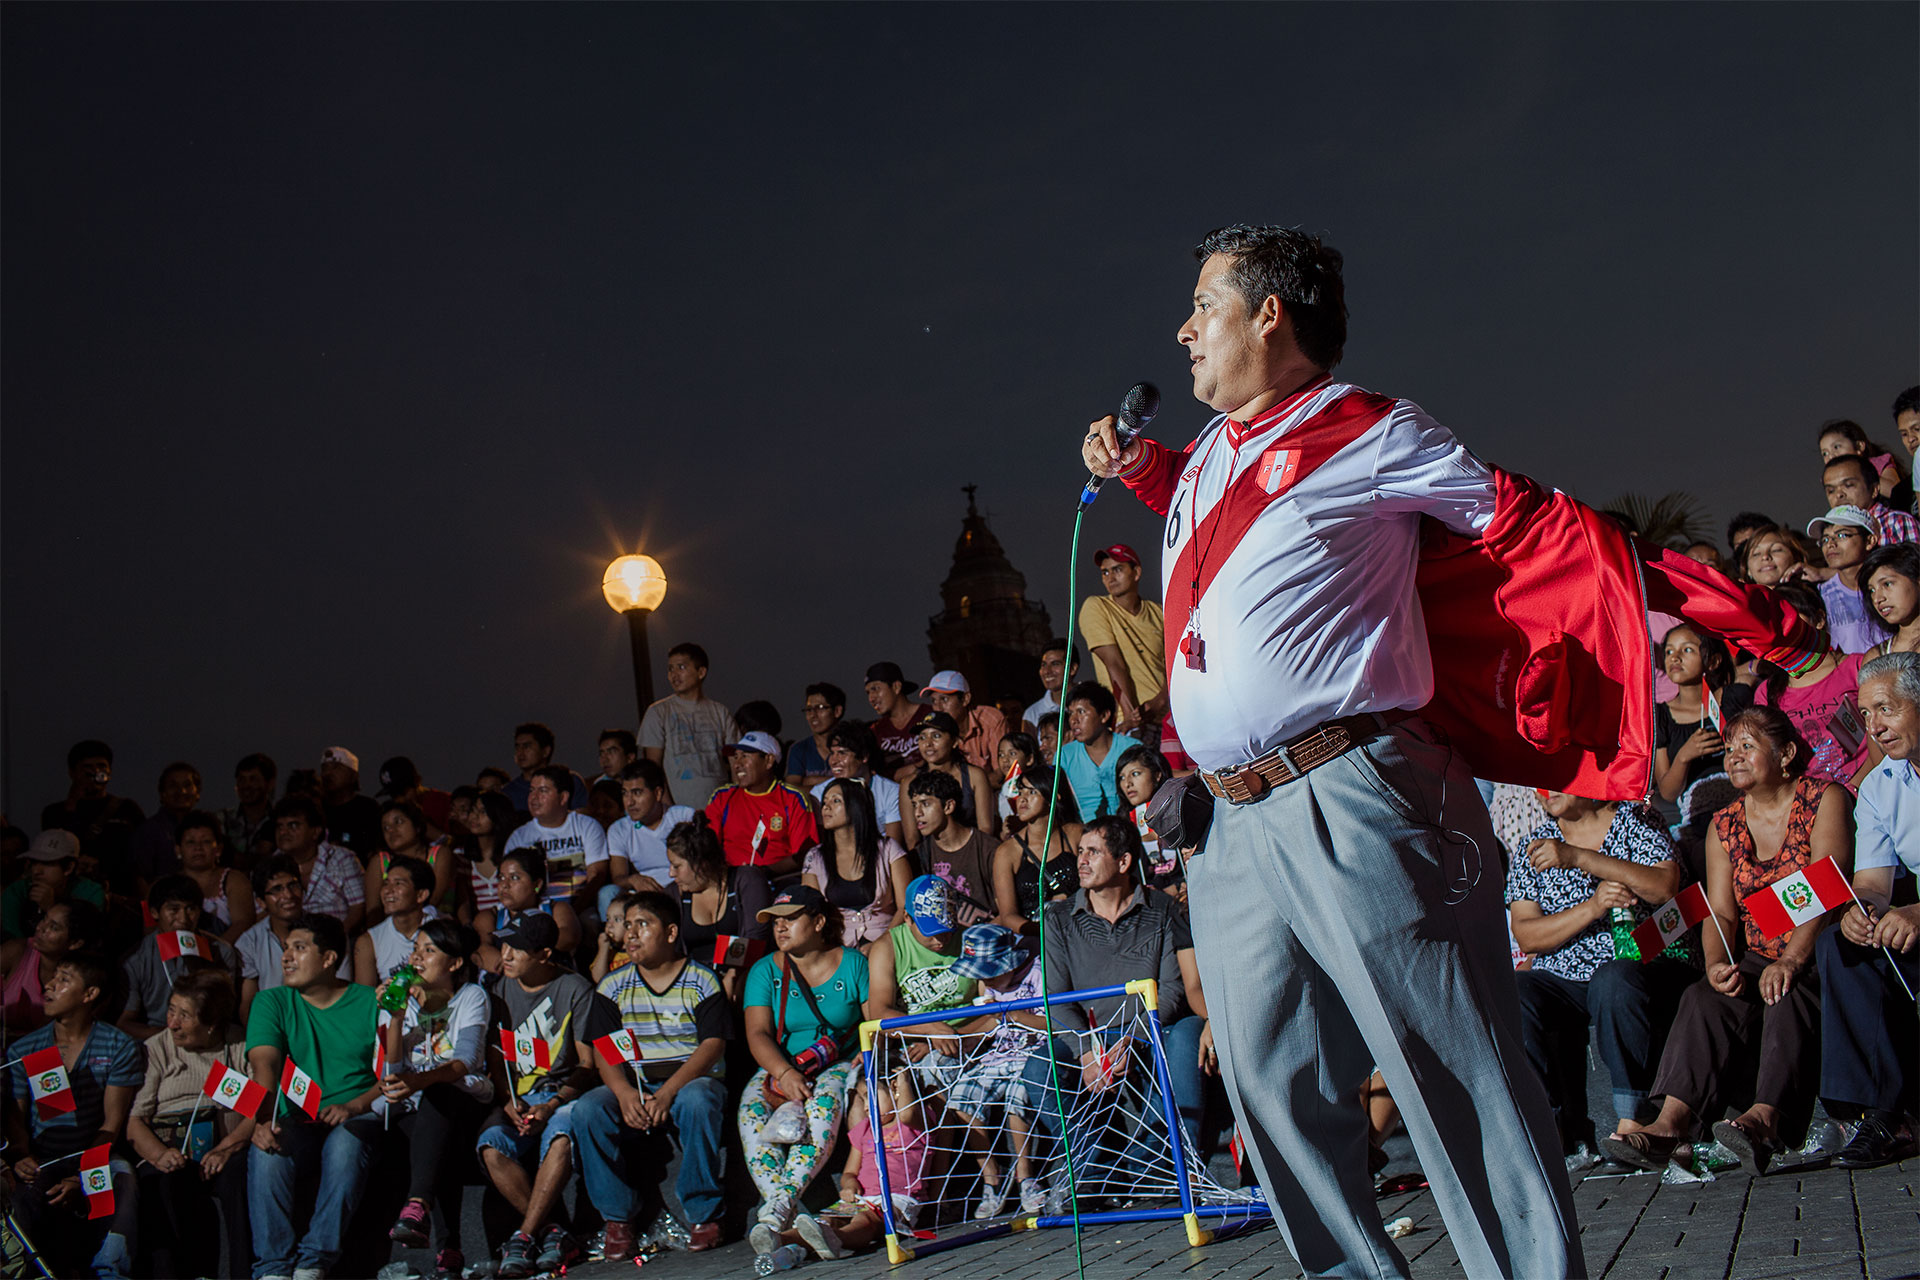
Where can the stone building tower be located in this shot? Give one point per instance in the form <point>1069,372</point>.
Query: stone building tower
<point>989,631</point>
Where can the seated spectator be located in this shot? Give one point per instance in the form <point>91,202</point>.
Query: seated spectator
<point>1007,969</point>
<point>192,1155</point>
<point>163,956</point>
<point>489,824</point>
<point>950,847</point>
<point>53,875</point>
<point>1851,481</point>
<point>861,872</point>
<point>978,728</point>
<point>1047,734</point>
<point>618,749</point>
<point>104,1066</point>
<point>401,783</point>
<point>803,1007</point>
<point>536,1001</point>
<point>403,900</point>
<point>573,844</point>
<point>63,928</point>
<point>1840,437</point>
<point>896,717</point>
<point>102,824</point>
<point>326,1027</point>
<point>1867,1025</point>
<point>1689,746</point>
<point>684,732</point>
<point>824,708</point>
<point>1770,557</point>
<point>353,819</point>
<point>679,1018</point>
<point>1059,661</point>
<point>1748,1032</point>
<point>1025,875</point>
<point>247,827</point>
<point>1906,420</point>
<point>1127,638</point>
<point>1140,772</point>
<point>611,951</point>
<point>1708,554</point>
<point>1846,537</point>
<point>226,899</point>
<point>276,882</point>
<point>761,821</point>
<point>1018,752</point>
<point>1823,701</point>
<point>605,803</point>
<point>523,895</point>
<point>154,849</point>
<point>1091,755</point>
<point>838,1232</point>
<point>939,753</point>
<point>853,753</point>
<point>912,971</point>
<point>717,900</point>
<point>403,834</point>
<point>1740,531</point>
<point>533,746</point>
<point>1585,879</point>
<point>1892,578</point>
<point>637,841</point>
<point>437,1090</point>
<point>335,883</point>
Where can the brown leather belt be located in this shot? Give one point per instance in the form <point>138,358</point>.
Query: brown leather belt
<point>1295,757</point>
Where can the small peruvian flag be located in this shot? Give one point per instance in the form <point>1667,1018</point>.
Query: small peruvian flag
<point>1793,900</point>
<point>380,1049</point>
<point>96,1179</point>
<point>148,922</point>
<point>618,1046</point>
<point>175,943</point>
<point>1012,784</point>
<point>739,952</point>
<point>527,1051</point>
<point>1659,930</point>
<point>1140,823</point>
<point>1710,709</point>
<point>234,1091</point>
<point>759,837</point>
<point>300,1089</point>
<point>47,1081</point>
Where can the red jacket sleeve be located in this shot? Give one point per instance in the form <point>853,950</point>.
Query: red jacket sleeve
<point>1748,616</point>
<point>1155,474</point>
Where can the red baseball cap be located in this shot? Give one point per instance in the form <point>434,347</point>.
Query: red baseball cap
<point>1118,551</point>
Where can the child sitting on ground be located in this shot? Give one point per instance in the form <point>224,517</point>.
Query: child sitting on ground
<point>855,1223</point>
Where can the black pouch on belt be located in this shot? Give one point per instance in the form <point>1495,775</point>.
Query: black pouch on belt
<point>1180,813</point>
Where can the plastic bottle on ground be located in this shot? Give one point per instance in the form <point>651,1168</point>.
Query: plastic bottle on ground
<point>785,1258</point>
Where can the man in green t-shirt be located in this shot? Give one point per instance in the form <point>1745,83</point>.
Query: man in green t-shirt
<point>324,1027</point>
<point>911,971</point>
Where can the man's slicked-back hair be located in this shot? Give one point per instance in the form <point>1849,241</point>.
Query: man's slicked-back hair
<point>1907,401</point>
<point>1301,270</point>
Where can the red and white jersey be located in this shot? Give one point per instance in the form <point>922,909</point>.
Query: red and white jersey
<point>1291,544</point>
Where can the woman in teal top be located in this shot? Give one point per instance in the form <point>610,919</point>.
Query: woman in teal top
<point>790,1038</point>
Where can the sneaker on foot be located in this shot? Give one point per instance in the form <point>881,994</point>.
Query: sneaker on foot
<point>821,1238</point>
<point>410,1228</point>
<point>620,1242</point>
<point>449,1264</point>
<point>557,1250</point>
<point>777,1212</point>
<point>308,1273</point>
<point>1033,1196</point>
<point>703,1237</point>
<point>517,1257</point>
<point>763,1239</point>
<point>993,1198</point>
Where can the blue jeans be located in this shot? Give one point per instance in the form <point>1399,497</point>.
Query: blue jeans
<point>606,1151</point>
<point>530,1148</point>
<point>339,1155</point>
<point>1629,1005</point>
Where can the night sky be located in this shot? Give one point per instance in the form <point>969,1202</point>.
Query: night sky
<point>343,345</point>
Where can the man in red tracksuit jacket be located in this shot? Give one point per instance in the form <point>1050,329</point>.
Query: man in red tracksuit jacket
<point>1361,617</point>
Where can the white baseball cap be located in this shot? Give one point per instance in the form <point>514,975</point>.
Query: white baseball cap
<point>342,756</point>
<point>947,682</point>
<point>756,741</point>
<point>1848,515</point>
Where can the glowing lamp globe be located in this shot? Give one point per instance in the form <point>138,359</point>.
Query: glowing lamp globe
<point>634,582</point>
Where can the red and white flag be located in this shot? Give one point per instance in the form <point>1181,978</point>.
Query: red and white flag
<point>1658,931</point>
<point>233,1090</point>
<point>175,943</point>
<point>300,1089</point>
<point>47,1081</point>
<point>1012,784</point>
<point>380,1049</point>
<point>1710,710</point>
<point>618,1046</point>
<point>1141,825</point>
<point>1794,899</point>
<point>96,1179</point>
<point>526,1050</point>
<point>728,949</point>
<point>759,841</point>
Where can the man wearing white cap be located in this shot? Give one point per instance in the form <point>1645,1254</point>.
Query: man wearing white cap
<point>981,728</point>
<point>353,819</point>
<point>761,821</point>
<point>1846,534</point>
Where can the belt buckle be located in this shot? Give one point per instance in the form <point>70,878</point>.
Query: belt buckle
<point>1250,782</point>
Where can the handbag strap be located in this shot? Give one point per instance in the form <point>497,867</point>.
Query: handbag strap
<point>806,993</point>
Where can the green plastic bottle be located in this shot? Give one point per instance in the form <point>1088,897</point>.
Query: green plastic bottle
<point>1624,947</point>
<point>403,980</point>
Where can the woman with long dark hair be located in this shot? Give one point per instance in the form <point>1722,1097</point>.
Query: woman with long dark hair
<point>489,823</point>
<point>1033,866</point>
<point>717,900</point>
<point>1891,578</point>
<point>857,869</point>
<point>1689,743</point>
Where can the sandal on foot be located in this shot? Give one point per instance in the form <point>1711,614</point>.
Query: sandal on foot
<point>1640,1149</point>
<point>1755,1152</point>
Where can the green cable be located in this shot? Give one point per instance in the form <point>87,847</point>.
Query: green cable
<point>1046,849</point>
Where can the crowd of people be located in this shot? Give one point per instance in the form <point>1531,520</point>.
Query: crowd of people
<point>536,980</point>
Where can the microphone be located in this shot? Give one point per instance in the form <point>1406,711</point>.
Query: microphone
<point>1136,411</point>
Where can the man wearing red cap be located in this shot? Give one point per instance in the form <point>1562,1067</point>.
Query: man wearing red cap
<point>1128,638</point>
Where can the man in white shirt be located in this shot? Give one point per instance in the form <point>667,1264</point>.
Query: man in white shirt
<point>574,844</point>
<point>1058,661</point>
<point>1867,1022</point>
<point>1345,902</point>
<point>637,841</point>
<point>276,882</point>
<point>389,944</point>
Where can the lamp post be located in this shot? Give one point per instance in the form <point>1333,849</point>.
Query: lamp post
<point>635,586</point>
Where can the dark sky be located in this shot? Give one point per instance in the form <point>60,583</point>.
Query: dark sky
<point>344,344</point>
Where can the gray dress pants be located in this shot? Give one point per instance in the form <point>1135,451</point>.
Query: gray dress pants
<point>1352,919</point>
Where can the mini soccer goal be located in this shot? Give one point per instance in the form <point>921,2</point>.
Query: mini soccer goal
<point>973,1126</point>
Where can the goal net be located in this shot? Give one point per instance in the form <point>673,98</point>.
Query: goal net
<point>966,1132</point>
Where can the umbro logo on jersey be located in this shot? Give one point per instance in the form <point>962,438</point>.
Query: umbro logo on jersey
<point>1189,473</point>
<point>1278,467</point>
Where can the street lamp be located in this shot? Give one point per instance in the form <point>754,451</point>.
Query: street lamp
<point>635,586</point>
